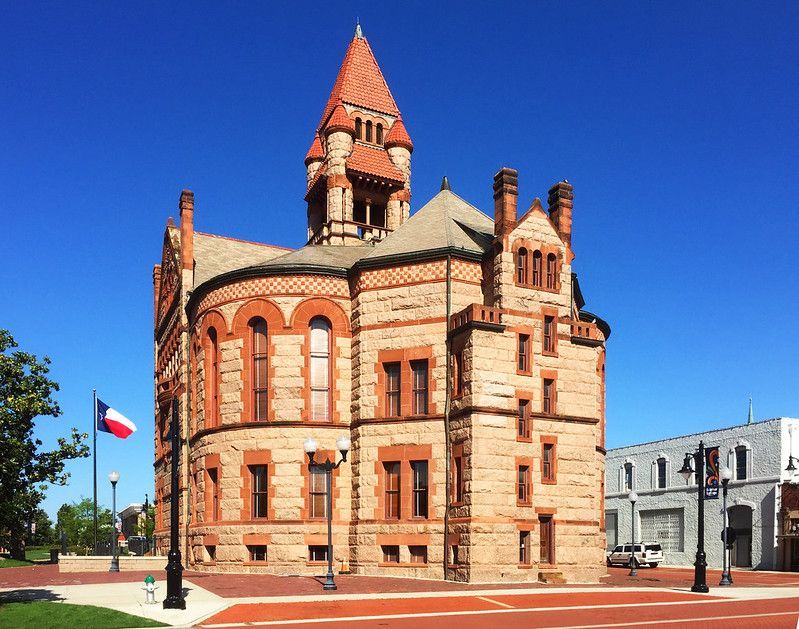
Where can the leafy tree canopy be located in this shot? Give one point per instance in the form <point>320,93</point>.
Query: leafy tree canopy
<point>25,469</point>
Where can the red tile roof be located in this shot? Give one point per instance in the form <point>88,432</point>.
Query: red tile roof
<point>360,82</point>
<point>315,152</point>
<point>398,136</point>
<point>371,160</point>
<point>340,121</point>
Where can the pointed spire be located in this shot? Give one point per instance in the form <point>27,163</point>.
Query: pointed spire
<point>315,153</point>
<point>398,136</point>
<point>751,415</point>
<point>340,121</point>
<point>445,183</point>
<point>358,31</point>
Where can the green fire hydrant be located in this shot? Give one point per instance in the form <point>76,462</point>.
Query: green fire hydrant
<point>150,587</point>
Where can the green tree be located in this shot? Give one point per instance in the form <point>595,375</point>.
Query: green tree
<point>77,521</point>
<point>25,394</point>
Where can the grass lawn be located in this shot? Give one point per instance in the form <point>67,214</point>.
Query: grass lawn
<point>13,563</point>
<point>47,615</point>
<point>37,553</point>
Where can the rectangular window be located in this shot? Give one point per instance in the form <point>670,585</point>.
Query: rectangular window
<point>317,553</point>
<point>419,371</point>
<point>524,548</point>
<point>260,369</point>
<point>392,389</point>
<point>457,485</point>
<point>549,396</point>
<point>418,554</point>
<point>320,370</point>
<point>318,493</point>
<point>392,471</point>
<point>523,484</point>
<point>524,353</point>
<point>548,463</point>
<point>661,473</point>
<point>213,479</point>
<point>455,555</point>
<point>524,419</point>
<point>547,539</point>
<point>549,334</point>
<point>257,553</point>
<point>612,529</point>
<point>260,490</point>
<point>420,488</point>
<point>740,463</point>
<point>628,477</point>
<point>457,374</point>
<point>390,554</point>
<point>211,551</point>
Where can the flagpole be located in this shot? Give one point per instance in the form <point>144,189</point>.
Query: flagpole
<point>94,432</point>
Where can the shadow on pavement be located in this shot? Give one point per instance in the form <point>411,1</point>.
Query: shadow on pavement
<point>30,594</point>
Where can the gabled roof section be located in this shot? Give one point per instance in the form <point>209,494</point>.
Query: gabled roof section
<point>321,257</point>
<point>373,160</point>
<point>214,255</point>
<point>445,222</point>
<point>360,82</point>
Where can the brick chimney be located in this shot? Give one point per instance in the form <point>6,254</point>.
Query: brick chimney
<point>561,197</point>
<point>506,196</point>
<point>187,229</point>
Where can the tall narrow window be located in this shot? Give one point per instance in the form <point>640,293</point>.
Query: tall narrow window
<point>661,473</point>
<point>524,353</point>
<point>524,547</point>
<point>213,378</point>
<point>260,368</point>
<point>419,489</point>
<point>457,485</point>
<point>392,389</point>
<point>521,266</point>
<point>524,419</point>
<point>551,270</point>
<point>379,134</point>
<point>537,270</point>
<point>740,463</point>
<point>213,481</point>
<point>392,471</point>
<point>359,128</point>
<point>628,477</point>
<point>549,334</point>
<point>549,396</point>
<point>419,372</point>
<point>547,539</point>
<point>318,493</point>
<point>320,370</point>
<point>260,491</point>
<point>523,484</point>
<point>548,463</point>
<point>457,374</point>
<point>368,130</point>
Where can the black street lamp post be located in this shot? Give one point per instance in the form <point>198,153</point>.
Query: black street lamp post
<point>174,569</point>
<point>343,444</point>
<point>726,577</point>
<point>700,565</point>
<point>633,563</point>
<point>114,478</point>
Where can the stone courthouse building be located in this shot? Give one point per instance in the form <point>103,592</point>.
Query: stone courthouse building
<point>450,345</point>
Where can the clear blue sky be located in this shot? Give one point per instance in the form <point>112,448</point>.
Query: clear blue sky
<point>676,123</point>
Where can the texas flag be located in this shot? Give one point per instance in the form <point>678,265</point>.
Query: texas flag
<point>109,420</point>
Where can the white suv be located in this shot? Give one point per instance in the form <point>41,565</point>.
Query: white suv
<point>648,553</point>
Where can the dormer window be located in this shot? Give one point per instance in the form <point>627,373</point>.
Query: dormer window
<point>368,130</point>
<point>359,128</point>
<point>379,134</point>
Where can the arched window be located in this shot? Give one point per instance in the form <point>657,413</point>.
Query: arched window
<point>379,133</point>
<point>521,266</point>
<point>537,268</point>
<point>213,379</point>
<point>359,128</point>
<point>320,370</point>
<point>551,270</point>
<point>368,130</point>
<point>260,368</point>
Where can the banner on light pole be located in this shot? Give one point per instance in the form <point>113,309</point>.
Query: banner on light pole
<point>712,473</point>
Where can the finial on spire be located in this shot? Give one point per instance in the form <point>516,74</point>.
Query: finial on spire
<point>751,415</point>
<point>445,183</point>
<point>358,31</point>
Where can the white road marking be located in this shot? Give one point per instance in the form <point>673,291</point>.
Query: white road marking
<point>674,620</point>
<point>490,600</point>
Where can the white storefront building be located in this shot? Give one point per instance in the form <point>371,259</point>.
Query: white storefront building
<point>667,507</point>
